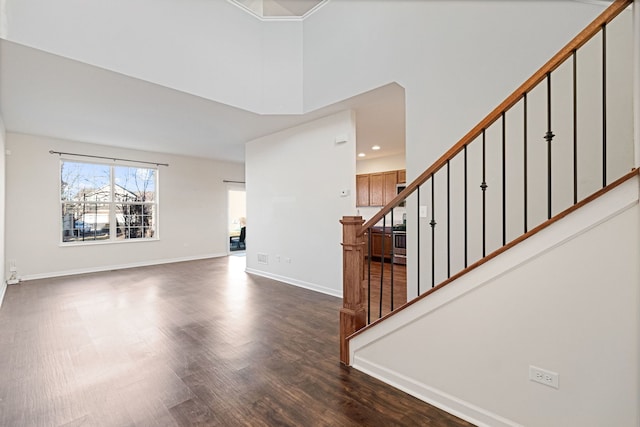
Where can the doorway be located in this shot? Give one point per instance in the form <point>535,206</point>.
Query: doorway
<point>237,214</point>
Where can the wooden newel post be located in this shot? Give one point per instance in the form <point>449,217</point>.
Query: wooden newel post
<point>352,313</point>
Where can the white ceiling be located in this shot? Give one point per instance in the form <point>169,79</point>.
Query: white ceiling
<point>45,94</point>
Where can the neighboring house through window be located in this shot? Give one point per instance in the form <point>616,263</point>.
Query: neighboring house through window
<point>102,202</point>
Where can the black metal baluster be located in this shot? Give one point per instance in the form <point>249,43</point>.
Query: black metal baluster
<point>504,180</point>
<point>575,126</point>
<point>466,252</point>
<point>604,105</point>
<point>369,277</point>
<point>448,223</point>
<point>384,235</point>
<point>484,186</point>
<point>549,137</point>
<point>418,261</point>
<point>526,207</point>
<point>393,246</point>
<point>433,232</point>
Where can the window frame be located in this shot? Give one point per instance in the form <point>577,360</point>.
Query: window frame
<point>113,205</point>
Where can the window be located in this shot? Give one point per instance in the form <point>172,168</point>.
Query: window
<point>107,202</point>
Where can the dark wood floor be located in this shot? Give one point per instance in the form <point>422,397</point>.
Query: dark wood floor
<point>379,282</point>
<point>194,343</point>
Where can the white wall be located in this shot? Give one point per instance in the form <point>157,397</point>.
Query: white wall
<point>565,300</point>
<point>3,283</point>
<point>294,179</point>
<point>456,60</point>
<point>636,79</point>
<point>192,211</point>
<point>281,77</point>
<point>208,48</point>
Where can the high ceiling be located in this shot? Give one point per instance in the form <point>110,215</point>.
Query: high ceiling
<point>45,94</point>
<point>273,8</point>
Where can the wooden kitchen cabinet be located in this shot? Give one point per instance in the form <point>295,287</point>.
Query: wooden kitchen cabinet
<point>377,189</point>
<point>390,182</point>
<point>402,176</point>
<point>376,244</point>
<point>362,190</point>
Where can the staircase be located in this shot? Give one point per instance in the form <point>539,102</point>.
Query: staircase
<point>523,248</point>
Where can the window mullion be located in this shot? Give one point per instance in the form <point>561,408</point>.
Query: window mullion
<point>113,226</point>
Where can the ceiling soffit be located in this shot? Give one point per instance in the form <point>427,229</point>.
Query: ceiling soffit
<point>279,9</point>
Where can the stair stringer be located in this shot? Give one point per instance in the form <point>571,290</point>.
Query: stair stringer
<point>482,377</point>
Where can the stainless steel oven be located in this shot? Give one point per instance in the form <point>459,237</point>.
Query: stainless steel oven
<point>400,247</point>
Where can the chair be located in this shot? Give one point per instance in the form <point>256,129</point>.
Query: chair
<point>237,242</point>
<point>243,235</point>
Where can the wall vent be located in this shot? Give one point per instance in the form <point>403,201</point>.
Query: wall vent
<point>263,259</point>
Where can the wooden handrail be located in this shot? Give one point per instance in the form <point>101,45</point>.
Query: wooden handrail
<point>583,37</point>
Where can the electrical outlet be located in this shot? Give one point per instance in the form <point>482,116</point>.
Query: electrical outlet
<point>423,211</point>
<point>543,376</point>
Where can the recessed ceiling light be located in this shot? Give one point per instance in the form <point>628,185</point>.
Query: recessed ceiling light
<point>361,154</point>
<point>375,147</point>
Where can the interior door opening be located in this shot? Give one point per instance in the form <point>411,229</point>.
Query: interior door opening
<point>237,219</point>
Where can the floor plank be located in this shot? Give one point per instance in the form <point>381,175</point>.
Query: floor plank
<point>197,343</point>
<point>381,283</point>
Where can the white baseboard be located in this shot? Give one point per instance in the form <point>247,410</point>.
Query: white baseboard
<point>117,267</point>
<point>433,396</point>
<point>296,282</point>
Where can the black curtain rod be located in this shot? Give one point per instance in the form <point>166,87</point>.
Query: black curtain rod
<point>107,158</point>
